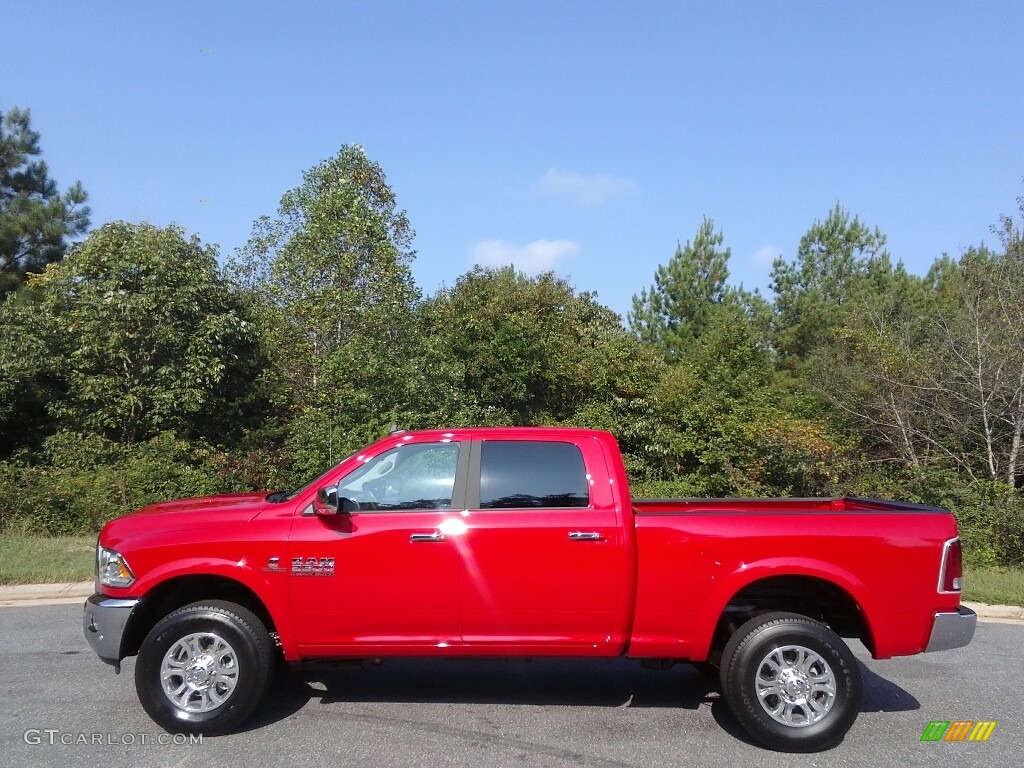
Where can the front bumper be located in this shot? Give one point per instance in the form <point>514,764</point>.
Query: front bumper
<point>103,622</point>
<point>952,630</point>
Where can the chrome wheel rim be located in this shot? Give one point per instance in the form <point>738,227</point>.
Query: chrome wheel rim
<point>199,672</point>
<point>795,686</point>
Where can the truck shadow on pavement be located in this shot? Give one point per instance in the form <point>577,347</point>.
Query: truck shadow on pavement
<point>542,682</point>
<point>882,695</point>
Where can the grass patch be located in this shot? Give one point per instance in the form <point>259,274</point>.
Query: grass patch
<point>994,585</point>
<point>26,559</point>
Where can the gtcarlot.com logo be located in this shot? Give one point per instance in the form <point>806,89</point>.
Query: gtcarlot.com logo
<point>53,737</point>
<point>958,730</point>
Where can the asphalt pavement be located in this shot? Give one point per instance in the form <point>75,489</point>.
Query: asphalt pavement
<point>60,706</point>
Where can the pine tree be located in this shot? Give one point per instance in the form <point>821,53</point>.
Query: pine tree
<point>35,219</point>
<point>674,311</point>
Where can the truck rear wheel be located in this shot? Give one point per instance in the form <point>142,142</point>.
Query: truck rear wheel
<point>204,668</point>
<point>793,684</point>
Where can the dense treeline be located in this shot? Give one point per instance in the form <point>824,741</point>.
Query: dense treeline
<point>134,367</point>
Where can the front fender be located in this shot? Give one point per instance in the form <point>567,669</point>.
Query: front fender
<point>266,584</point>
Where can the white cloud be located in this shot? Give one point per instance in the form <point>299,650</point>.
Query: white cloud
<point>766,254</point>
<point>588,191</point>
<point>532,258</point>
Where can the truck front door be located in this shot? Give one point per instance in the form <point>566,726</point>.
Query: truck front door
<point>380,579</point>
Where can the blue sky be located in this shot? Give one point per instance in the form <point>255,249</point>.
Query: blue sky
<point>587,137</point>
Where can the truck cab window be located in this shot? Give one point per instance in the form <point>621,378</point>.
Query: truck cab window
<point>521,474</point>
<point>414,476</point>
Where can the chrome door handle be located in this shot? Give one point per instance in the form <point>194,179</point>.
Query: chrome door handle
<point>427,537</point>
<point>585,536</point>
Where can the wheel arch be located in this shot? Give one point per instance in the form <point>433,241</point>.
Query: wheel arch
<point>824,597</point>
<point>177,591</point>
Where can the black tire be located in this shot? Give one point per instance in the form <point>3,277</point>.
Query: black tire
<point>817,726</point>
<point>232,633</point>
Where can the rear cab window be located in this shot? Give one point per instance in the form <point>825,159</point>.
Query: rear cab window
<point>517,474</point>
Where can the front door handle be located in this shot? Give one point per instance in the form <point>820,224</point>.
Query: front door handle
<point>427,537</point>
<point>585,536</point>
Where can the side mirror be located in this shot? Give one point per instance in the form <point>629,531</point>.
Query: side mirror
<point>326,501</point>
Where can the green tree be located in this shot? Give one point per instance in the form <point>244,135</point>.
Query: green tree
<point>872,370</point>
<point>1012,309</point>
<point>723,426</point>
<point>975,363</point>
<point>929,373</point>
<point>331,280</point>
<point>500,348</point>
<point>35,219</point>
<point>520,350</point>
<point>28,380</point>
<point>675,310</point>
<point>834,260</point>
<point>138,334</point>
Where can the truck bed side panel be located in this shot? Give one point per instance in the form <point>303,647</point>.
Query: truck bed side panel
<point>692,561</point>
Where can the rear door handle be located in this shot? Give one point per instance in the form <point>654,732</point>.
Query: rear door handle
<point>585,536</point>
<point>427,537</point>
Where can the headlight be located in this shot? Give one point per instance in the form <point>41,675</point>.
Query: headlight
<point>111,568</point>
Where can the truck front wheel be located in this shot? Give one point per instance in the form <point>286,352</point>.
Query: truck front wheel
<point>204,668</point>
<point>793,684</point>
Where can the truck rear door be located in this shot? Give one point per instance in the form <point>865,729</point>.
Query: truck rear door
<point>545,558</point>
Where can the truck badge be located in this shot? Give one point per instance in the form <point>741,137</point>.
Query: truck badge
<point>312,566</point>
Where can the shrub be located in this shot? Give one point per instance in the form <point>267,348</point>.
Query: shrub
<point>86,480</point>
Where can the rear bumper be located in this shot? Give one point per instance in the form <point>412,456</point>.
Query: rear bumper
<point>103,623</point>
<point>952,630</point>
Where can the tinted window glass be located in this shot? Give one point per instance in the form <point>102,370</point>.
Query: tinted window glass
<point>516,473</point>
<point>415,476</point>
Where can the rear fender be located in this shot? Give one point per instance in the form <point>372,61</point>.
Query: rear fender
<point>726,587</point>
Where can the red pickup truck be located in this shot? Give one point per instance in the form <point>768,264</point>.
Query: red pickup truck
<point>522,542</point>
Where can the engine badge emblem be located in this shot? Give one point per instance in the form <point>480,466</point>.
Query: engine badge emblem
<point>312,566</point>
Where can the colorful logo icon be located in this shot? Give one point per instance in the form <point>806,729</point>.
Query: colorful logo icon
<point>958,730</point>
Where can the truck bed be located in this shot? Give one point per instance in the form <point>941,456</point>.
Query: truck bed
<point>699,555</point>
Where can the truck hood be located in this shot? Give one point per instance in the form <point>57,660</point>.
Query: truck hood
<point>183,514</point>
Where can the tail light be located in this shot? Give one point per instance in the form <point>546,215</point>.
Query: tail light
<point>951,573</point>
